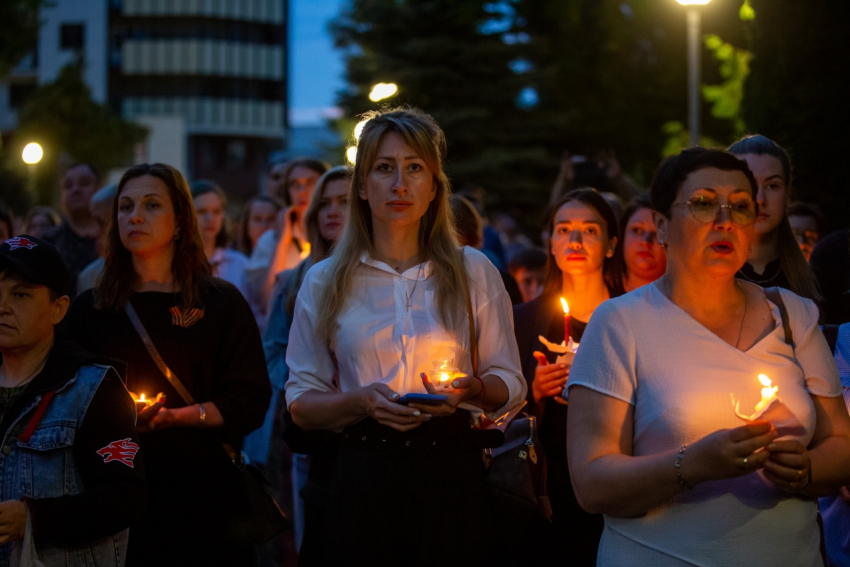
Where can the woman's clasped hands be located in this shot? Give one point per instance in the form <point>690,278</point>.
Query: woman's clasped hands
<point>730,453</point>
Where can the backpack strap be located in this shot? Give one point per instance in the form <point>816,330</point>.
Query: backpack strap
<point>774,295</point>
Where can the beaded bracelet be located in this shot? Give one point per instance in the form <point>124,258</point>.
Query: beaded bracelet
<point>679,476</point>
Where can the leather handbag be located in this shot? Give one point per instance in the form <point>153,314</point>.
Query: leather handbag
<point>261,519</point>
<point>516,469</point>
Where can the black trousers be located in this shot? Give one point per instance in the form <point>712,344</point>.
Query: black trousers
<point>416,498</point>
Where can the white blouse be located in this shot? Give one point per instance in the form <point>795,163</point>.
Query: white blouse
<point>380,340</point>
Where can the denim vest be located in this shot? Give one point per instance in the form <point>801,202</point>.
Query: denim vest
<point>44,467</point>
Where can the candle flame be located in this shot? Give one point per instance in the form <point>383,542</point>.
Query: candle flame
<point>565,306</point>
<point>768,393</point>
<point>142,398</point>
<point>445,377</point>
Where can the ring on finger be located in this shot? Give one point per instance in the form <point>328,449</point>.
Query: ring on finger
<point>799,474</point>
<point>745,464</point>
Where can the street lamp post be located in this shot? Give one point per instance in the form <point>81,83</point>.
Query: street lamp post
<point>693,16</point>
<point>31,155</point>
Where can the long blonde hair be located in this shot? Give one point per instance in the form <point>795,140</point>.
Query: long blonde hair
<point>437,239</point>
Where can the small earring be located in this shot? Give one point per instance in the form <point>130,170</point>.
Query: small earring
<point>750,252</point>
<point>610,254</point>
<point>662,245</point>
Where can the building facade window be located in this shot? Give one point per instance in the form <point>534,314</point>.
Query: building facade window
<point>72,36</point>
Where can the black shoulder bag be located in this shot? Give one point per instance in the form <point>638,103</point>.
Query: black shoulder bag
<point>516,470</point>
<point>263,519</point>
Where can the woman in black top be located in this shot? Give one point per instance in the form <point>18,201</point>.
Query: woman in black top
<point>775,258</point>
<point>582,270</point>
<point>206,334</point>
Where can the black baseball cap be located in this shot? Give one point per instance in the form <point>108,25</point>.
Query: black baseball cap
<point>36,261</point>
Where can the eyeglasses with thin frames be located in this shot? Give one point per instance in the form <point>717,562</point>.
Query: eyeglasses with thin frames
<point>742,213</point>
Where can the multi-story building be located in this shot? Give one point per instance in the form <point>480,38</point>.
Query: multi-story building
<point>208,77</point>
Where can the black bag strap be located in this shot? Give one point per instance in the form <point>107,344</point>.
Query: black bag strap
<point>160,363</point>
<point>172,378</point>
<point>775,296</point>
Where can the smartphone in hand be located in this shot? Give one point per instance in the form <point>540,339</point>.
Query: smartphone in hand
<point>432,399</point>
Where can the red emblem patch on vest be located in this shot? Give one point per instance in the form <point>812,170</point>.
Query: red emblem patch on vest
<point>20,242</point>
<point>123,451</point>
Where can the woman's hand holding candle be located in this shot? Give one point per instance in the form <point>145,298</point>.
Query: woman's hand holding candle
<point>789,465</point>
<point>145,416</point>
<point>549,379</point>
<point>727,453</point>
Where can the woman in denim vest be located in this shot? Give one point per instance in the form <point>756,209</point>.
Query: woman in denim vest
<point>71,480</point>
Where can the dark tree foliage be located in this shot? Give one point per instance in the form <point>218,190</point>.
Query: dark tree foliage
<point>65,120</point>
<point>607,75</point>
<point>18,31</point>
<point>442,62</point>
<point>795,94</point>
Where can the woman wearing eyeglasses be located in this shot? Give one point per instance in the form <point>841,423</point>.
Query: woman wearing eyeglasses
<point>654,443</point>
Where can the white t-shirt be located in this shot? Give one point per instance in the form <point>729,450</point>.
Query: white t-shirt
<point>644,350</point>
<point>380,340</point>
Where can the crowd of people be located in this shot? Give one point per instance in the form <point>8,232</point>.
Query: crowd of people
<point>315,337</point>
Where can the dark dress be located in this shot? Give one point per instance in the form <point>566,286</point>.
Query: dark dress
<point>831,264</point>
<point>194,489</point>
<point>573,536</point>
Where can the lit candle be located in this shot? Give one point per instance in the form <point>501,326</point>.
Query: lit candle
<point>566,321</point>
<point>143,402</point>
<point>768,393</point>
<point>443,374</point>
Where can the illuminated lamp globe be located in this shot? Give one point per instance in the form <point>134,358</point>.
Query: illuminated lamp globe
<point>32,153</point>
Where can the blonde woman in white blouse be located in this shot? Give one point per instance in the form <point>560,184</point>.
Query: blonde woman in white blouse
<point>369,324</point>
<point>653,440</point>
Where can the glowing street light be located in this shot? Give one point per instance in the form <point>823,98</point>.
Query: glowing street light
<point>32,153</point>
<point>693,66</point>
<point>382,91</point>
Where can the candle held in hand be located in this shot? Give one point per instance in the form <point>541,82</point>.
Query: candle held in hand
<point>567,335</point>
<point>443,373</point>
<point>143,402</point>
<point>768,393</point>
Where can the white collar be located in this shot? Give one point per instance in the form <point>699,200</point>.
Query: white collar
<point>417,272</point>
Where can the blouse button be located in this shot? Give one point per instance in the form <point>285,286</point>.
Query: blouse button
<point>407,443</point>
<point>7,450</point>
<point>401,278</point>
